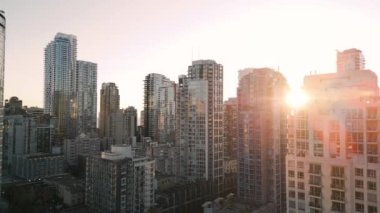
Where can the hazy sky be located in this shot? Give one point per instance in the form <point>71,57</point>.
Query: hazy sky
<point>130,38</point>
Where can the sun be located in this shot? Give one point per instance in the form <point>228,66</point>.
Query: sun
<point>297,98</point>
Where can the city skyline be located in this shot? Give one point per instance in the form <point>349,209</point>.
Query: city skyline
<point>137,39</point>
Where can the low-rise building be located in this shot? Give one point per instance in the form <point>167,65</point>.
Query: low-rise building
<point>37,165</point>
<point>119,181</point>
<point>82,145</point>
<point>69,189</point>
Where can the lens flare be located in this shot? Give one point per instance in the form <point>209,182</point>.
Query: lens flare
<point>297,98</point>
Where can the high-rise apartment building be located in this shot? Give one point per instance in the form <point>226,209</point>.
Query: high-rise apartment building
<point>200,120</point>
<point>333,150</point>
<point>2,62</point>
<point>262,139</point>
<point>230,128</point>
<point>130,124</point>
<point>60,97</point>
<point>109,103</point>
<point>350,60</point>
<point>159,108</point>
<point>119,181</point>
<point>87,96</point>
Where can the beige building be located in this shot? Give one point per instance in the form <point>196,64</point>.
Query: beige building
<point>333,144</point>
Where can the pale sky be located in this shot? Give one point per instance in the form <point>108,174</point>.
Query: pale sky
<point>129,39</point>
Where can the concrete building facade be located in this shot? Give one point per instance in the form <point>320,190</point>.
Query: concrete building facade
<point>60,97</point>
<point>87,96</point>
<point>109,103</point>
<point>333,151</point>
<point>262,139</point>
<point>118,181</point>
<point>200,122</point>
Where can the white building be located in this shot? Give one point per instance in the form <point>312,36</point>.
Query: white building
<point>333,149</point>
<point>87,96</point>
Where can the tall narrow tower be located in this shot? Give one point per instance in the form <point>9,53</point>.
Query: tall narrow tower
<point>2,61</point>
<point>87,96</point>
<point>262,139</point>
<point>60,97</point>
<point>201,121</point>
<point>109,104</point>
<point>350,60</point>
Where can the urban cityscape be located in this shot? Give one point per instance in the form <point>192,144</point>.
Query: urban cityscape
<point>269,148</point>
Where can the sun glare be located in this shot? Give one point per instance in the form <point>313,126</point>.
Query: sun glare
<point>297,98</point>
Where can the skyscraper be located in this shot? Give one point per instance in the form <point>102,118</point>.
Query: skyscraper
<point>230,128</point>
<point>333,151</point>
<point>200,116</point>
<point>60,97</point>
<point>262,139</point>
<point>350,60</point>
<point>87,96</point>
<point>2,62</point>
<point>159,108</point>
<point>130,124</point>
<point>109,103</point>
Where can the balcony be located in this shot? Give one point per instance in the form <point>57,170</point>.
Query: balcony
<point>315,205</point>
<point>337,186</point>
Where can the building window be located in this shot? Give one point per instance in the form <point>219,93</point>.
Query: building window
<point>337,183</point>
<point>300,175</point>
<point>292,194</point>
<point>359,195</point>
<point>359,172</point>
<point>373,159</point>
<point>371,185</point>
<point>372,209</point>
<point>318,150</point>
<point>300,164</point>
<point>359,207</point>
<point>301,196</point>
<point>337,171</point>
<point>315,191</point>
<point>372,149</point>
<point>301,185</point>
<point>337,195</point>
<point>315,202</point>
<point>315,169</point>
<point>371,173</point>
<point>292,183</point>
<point>372,197</point>
<point>337,207</point>
<point>292,204</point>
<point>291,173</point>
<point>301,206</point>
<point>315,180</point>
<point>359,184</point>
